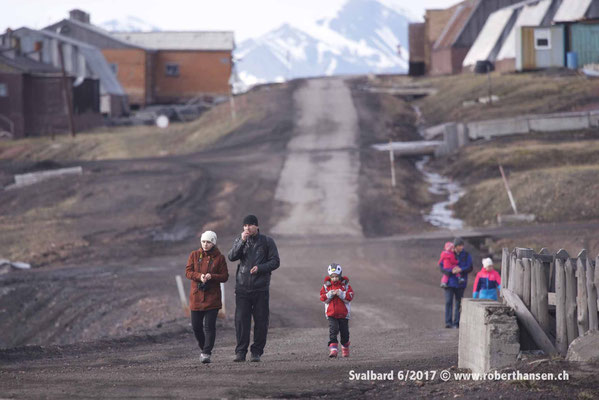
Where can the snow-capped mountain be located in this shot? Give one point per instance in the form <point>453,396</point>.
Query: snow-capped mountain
<point>366,36</point>
<point>129,24</point>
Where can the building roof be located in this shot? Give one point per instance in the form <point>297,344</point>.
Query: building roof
<point>93,28</point>
<point>533,13</point>
<point>455,24</point>
<point>572,10</point>
<point>180,40</point>
<point>27,65</point>
<point>489,36</point>
<point>94,59</point>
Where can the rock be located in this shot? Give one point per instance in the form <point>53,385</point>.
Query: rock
<point>585,348</point>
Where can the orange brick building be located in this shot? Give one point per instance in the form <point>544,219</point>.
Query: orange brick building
<point>159,67</point>
<point>186,64</point>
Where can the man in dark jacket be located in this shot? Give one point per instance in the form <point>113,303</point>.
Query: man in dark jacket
<point>456,284</point>
<point>258,257</point>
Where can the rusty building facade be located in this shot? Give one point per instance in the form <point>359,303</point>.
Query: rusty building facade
<point>33,99</point>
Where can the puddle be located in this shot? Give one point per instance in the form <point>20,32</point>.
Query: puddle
<point>441,214</point>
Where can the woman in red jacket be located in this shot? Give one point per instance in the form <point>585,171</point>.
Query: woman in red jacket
<point>206,268</point>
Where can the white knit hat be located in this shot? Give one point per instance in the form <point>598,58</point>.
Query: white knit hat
<point>209,236</point>
<point>487,262</point>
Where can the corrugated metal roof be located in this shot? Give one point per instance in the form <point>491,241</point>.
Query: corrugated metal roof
<point>456,24</point>
<point>488,36</point>
<point>94,59</point>
<point>27,65</point>
<point>572,10</point>
<point>532,14</point>
<point>183,40</point>
<point>96,29</point>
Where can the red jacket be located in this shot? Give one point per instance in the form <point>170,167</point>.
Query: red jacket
<point>199,263</point>
<point>337,306</point>
<point>448,260</point>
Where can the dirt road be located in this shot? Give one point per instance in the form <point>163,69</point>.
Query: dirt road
<point>105,321</point>
<point>318,186</point>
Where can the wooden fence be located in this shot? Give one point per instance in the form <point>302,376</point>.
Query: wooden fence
<point>554,295</point>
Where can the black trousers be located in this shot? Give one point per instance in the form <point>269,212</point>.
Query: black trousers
<point>450,293</point>
<point>336,326</point>
<point>205,334</point>
<point>248,305</point>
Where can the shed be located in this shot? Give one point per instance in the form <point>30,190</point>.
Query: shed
<point>584,41</point>
<point>497,40</point>
<point>435,22</point>
<point>461,31</point>
<point>540,47</point>
<point>187,64</point>
<point>81,61</point>
<point>416,34</point>
<point>131,63</point>
<point>536,13</point>
<point>33,101</point>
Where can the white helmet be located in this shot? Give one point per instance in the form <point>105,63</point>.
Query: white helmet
<point>335,269</point>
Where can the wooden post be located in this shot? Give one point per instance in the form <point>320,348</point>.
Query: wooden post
<point>526,281</point>
<point>182,297</point>
<point>526,318</point>
<point>582,303</point>
<point>519,280</point>
<point>509,192</point>
<point>592,293</point>
<point>392,160</point>
<point>505,266</point>
<point>542,296</point>
<point>512,274</point>
<point>535,271</point>
<point>571,315</point>
<point>561,334</point>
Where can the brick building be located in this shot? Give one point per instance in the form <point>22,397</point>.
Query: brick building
<point>187,64</point>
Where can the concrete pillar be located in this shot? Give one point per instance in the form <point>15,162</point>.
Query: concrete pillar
<point>489,336</point>
<point>451,137</point>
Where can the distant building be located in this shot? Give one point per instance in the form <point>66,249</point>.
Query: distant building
<point>33,100</point>
<point>187,64</point>
<point>159,67</point>
<point>460,32</point>
<point>416,35</point>
<point>434,23</point>
<point>80,60</point>
<point>569,26</point>
<point>496,41</point>
<point>131,64</point>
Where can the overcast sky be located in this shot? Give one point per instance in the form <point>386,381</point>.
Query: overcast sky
<point>247,18</point>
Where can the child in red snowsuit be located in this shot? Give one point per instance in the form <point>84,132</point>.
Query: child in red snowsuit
<point>448,261</point>
<point>336,293</point>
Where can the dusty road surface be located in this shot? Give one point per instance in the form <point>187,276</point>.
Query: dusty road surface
<point>318,186</point>
<point>104,321</point>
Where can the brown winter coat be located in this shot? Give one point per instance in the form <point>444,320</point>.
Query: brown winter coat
<point>201,262</point>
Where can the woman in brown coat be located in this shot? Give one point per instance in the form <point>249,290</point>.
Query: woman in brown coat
<point>206,268</point>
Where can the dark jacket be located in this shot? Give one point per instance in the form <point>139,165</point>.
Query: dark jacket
<point>465,264</point>
<point>201,262</point>
<point>259,250</point>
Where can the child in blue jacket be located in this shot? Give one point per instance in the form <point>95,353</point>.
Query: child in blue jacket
<point>487,283</point>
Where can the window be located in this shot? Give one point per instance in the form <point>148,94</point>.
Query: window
<point>542,39</point>
<point>114,68</point>
<point>172,69</point>
<point>3,90</point>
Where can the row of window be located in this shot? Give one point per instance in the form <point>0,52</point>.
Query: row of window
<point>171,69</point>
